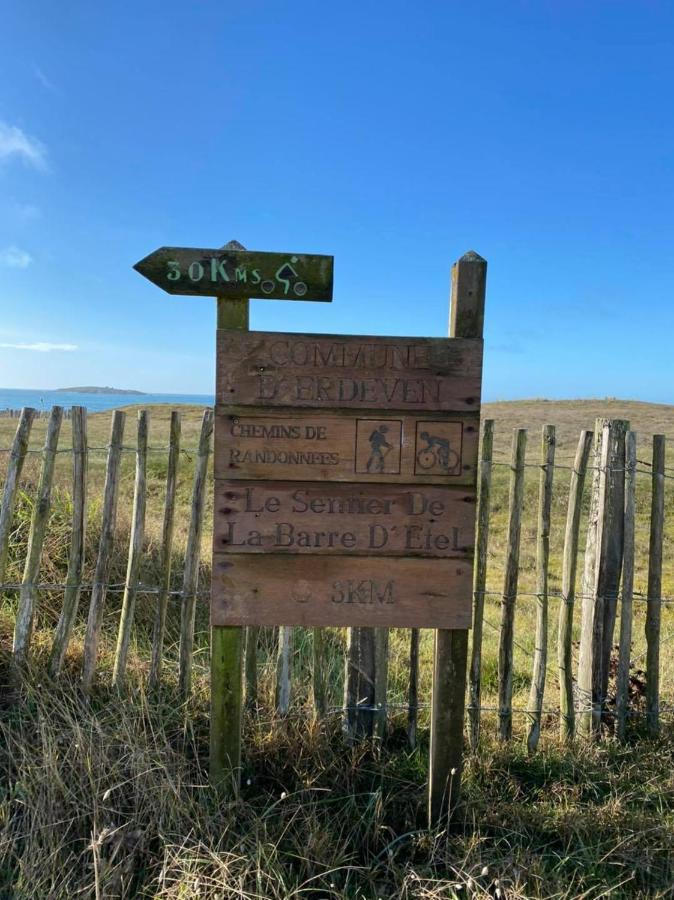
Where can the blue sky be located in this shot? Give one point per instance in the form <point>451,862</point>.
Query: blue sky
<point>395,136</point>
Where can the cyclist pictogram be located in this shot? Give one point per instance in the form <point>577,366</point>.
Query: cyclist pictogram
<point>435,452</point>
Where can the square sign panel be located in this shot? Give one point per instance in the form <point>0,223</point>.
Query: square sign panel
<point>345,480</point>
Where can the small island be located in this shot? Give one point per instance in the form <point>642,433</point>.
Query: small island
<point>99,390</point>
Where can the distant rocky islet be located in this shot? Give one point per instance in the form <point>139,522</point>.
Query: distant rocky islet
<point>99,390</point>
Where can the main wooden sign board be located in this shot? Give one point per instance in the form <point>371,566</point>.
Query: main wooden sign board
<point>345,475</point>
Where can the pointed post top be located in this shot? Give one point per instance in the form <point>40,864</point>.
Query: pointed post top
<point>469,279</point>
<point>472,256</point>
<point>232,245</point>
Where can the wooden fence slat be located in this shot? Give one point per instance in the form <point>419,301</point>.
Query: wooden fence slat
<point>625,646</point>
<point>192,555</point>
<point>507,632</point>
<point>539,670</point>
<point>71,597</point>
<point>135,552</point>
<point>319,673</point>
<point>38,528</point>
<point>380,718</point>
<point>413,689</point>
<point>15,463</point>
<point>284,662</point>
<point>166,551</point>
<point>106,543</point>
<point>359,683</point>
<point>480,582</point>
<point>654,600</point>
<point>601,578</point>
<point>567,721</point>
<point>366,682</point>
<point>250,665</point>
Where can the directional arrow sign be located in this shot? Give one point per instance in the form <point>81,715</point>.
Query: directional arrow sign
<point>239,273</point>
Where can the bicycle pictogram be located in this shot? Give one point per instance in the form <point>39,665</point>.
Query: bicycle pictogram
<point>437,454</point>
<point>284,276</point>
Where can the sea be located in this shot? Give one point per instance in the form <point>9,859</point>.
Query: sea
<point>12,398</point>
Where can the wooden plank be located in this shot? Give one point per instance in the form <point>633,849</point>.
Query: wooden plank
<point>305,446</point>
<point>38,529</point>
<point>542,562</point>
<point>193,554</point>
<point>71,597</point>
<point>510,579</point>
<point>625,645</point>
<point>17,457</point>
<point>101,572</point>
<point>469,280</point>
<point>166,551</point>
<point>480,582</point>
<point>654,601</point>
<point>326,590</point>
<point>135,552</point>
<point>348,372</point>
<point>344,519</point>
<point>567,719</point>
<point>230,273</point>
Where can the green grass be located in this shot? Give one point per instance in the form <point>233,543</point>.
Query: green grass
<point>112,794</point>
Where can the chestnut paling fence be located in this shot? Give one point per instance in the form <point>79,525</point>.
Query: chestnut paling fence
<point>569,613</point>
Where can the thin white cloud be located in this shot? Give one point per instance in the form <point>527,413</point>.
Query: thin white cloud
<point>41,347</point>
<point>44,81</point>
<point>26,212</point>
<point>15,258</point>
<point>16,144</point>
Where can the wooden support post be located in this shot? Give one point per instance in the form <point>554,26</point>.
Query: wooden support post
<point>38,528</point>
<point>166,551</point>
<point>193,555</point>
<point>71,597</point>
<point>569,567</point>
<point>319,673</point>
<point>601,578</point>
<point>98,590</point>
<point>625,647</point>
<point>480,582</point>
<point>469,279</point>
<point>284,664</point>
<point>510,579</point>
<point>14,468</point>
<point>542,562</point>
<point>654,600</point>
<point>227,646</point>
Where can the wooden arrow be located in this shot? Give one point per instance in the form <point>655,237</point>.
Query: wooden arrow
<point>235,273</point>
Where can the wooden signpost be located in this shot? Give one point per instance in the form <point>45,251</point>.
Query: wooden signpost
<point>345,480</point>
